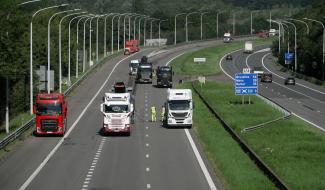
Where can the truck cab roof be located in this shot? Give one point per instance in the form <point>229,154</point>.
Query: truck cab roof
<point>117,97</point>
<point>179,94</point>
<point>53,97</point>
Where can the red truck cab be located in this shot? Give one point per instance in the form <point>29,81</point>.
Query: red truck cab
<point>51,114</point>
<point>131,46</point>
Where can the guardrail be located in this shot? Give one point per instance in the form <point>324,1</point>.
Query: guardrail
<point>287,114</point>
<point>252,155</point>
<point>14,135</point>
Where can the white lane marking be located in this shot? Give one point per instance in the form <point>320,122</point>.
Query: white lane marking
<point>147,135</point>
<point>311,123</point>
<point>148,186</point>
<point>147,145</point>
<point>200,160</point>
<point>89,175</point>
<point>53,151</point>
<point>320,101</point>
<point>284,78</point>
<point>147,169</point>
<point>147,155</point>
<point>263,58</point>
<point>195,150</point>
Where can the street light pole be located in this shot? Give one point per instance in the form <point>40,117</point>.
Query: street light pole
<point>134,26</point>
<point>279,46</point>
<point>60,49</point>
<point>84,46</point>
<point>90,39</point>
<point>49,48</point>
<point>303,22</point>
<point>295,42</point>
<point>201,24</point>
<point>252,21</point>
<point>112,33</point>
<point>159,28</point>
<point>69,45</point>
<point>218,13</point>
<point>31,52</point>
<point>175,34</point>
<point>105,33</point>
<point>186,23</point>
<point>77,53</point>
<point>319,22</point>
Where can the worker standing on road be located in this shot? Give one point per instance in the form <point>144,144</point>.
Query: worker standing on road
<point>153,114</point>
<point>162,114</point>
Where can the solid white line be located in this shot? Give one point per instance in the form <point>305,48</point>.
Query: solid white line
<point>320,101</point>
<point>53,151</point>
<point>311,123</point>
<point>200,160</point>
<point>297,83</point>
<point>195,150</point>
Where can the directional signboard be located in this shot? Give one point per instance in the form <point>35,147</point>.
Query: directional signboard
<point>246,84</point>
<point>288,56</point>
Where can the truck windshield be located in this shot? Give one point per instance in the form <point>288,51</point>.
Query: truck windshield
<point>134,65</point>
<point>179,105</point>
<point>145,70</point>
<point>161,72</point>
<point>116,108</point>
<point>49,109</point>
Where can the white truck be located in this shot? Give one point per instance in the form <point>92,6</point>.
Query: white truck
<point>133,67</point>
<point>248,47</point>
<point>118,111</point>
<point>227,37</point>
<point>179,108</point>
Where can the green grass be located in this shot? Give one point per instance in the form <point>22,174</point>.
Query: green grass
<point>230,163</point>
<point>184,65</point>
<point>15,122</point>
<point>292,148</point>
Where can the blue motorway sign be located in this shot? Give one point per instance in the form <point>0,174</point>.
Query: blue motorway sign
<point>288,56</point>
<point>246,84</point>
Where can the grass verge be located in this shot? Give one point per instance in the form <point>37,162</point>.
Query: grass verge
<point>292,148</point>
<point>232,165</point>
<point>184,65</point>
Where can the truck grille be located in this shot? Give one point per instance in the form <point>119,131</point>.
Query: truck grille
<point>183,114</point>
<point>49,125</point>
<point>116,121</point>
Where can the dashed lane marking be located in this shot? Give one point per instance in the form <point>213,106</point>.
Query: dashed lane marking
<point>53,151</point>
<point>89,175</point>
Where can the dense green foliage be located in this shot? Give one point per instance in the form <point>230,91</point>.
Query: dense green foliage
<point>15,20</point>
<point>309,46</point>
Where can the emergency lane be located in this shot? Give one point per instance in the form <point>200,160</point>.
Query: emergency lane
<point>303,102</point>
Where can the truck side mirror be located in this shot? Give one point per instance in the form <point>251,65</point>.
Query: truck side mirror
<point>34,109</point>
<point>131,107</point>
<point>102,108</point>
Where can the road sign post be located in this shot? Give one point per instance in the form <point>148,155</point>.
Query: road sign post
<point>246,84</point>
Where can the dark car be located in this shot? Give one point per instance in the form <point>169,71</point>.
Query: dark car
<point>229,57</point>
<point>290,81</point>
<point>266,77</point>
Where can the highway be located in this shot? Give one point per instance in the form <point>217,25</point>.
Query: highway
<point>305,100</point>
<point>153,157</point>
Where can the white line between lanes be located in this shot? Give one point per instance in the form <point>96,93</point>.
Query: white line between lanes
<point>194,148</point>
<point>284,78</point>
<point>44,162</point>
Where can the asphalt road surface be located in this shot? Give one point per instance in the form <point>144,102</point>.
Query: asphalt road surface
<point>305,100</point>
<point>153,157</point>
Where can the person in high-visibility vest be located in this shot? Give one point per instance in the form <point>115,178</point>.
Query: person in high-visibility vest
<point>153,114</point>
<point>162,113</point>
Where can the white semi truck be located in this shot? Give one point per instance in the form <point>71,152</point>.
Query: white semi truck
<point>248,47</point>
<point>179,108</point>
<point>118,111</point>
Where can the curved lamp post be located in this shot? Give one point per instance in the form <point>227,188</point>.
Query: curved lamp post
<point>186,23</point>
<point>319,22</point>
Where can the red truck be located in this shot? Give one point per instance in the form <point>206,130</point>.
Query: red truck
<point>51,114</point>
<point>131,46</point>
